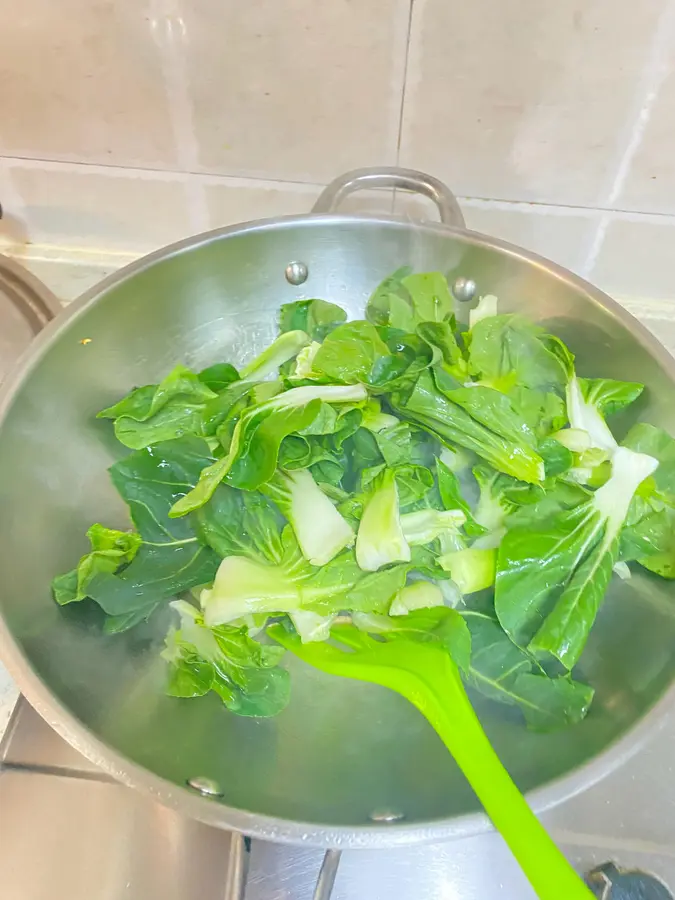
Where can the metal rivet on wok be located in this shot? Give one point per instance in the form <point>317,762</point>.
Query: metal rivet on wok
<point>464,289</point>
<point>296,273</point>
<point>206,786</point>
<point>385,815</point>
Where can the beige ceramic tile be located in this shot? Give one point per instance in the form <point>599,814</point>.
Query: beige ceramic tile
<point>524,99</point>
<point>295,90</point>
<point>561,236</point>
<point>230,203</point>
<point>636,260</point>
<point>650,184</point>
<point>82,80</point>
<point>90,209</point>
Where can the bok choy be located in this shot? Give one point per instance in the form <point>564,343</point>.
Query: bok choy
<point>383,469</point>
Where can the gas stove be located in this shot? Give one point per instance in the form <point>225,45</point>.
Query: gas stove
<point>68,832</point>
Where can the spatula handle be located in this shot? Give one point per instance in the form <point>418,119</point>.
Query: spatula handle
<point>458,726</point>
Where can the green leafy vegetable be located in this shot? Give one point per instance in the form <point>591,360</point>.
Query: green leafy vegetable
<point>471,569</point>
<point>381,358</point>
<point>251,459</point>
<point>320,529</point>
<point>650,533</point>
<point>110,550</point>
<point>219,376</point>
<point>243,587</point>
<point>287,346</point>
<point>380,539</point>
<point>317,318</point>
<point>241,523</point>
<point>426,525</point>
<point>161,412</point>
<point>171,558</point>
<point>504,673</point>
<point>432,409</point>
<point>243,673</point>
<point>382,469</point>
<point>552,575</point>
<point>404,300</point>
<point>507,351</point>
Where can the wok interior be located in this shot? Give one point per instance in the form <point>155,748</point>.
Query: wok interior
<point>342,749</point>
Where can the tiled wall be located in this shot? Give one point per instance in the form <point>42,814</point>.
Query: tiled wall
<point>126,124</point>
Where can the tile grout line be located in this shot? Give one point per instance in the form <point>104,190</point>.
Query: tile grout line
<point>406,61</point>
<point>404,86</point>
<point>250,181</point>
<point>653,75</point>
<point>170,44</point>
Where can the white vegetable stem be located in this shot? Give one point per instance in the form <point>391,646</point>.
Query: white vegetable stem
<point>380,539</point>
<point>629,469</point>
<point>419,595</point>
<point>311,626</point>
<point>243,587</point>
<point>584,416</point>
<point>486,307</point>
<point>320,529</point>
<point>285,347</point>
<point>425,525</point>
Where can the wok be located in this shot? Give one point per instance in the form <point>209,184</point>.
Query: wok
<point>346,764</point>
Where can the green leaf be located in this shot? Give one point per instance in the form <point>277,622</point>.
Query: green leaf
<point>552,703</point>
<point>361,353</point>
<point>430,296</point>
<point>253,452</point>
<point>542,411</point>
<point>534,563</point>
<point>446,350</point>
<point>110,550</point>
<point>242,672</point>
<point>451,498</point>
<point>391,304</point>
<point>432,409</point>
<point>645,438</point>
<point>315,317</point>
<point>227,406</point>
<point>494,410</point>
<point>507,350</point>
<point>240,523</point>
<point>552,574</point>
<point>557,458</point>
<point>285,347</point>
<point>404,300</point>
<point>608,396</point>
<point>568,624</point>
<point>161,412</point>
<point>171,558</point>
<point>219,376</point>
<point>506,674</point>
<point>394,443</point>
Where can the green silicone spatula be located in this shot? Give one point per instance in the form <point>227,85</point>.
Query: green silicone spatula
<point>425,674</point>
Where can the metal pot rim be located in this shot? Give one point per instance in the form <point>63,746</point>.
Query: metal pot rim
<point>268,827</point>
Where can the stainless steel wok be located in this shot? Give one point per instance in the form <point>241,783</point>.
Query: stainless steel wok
<point>346,764</point>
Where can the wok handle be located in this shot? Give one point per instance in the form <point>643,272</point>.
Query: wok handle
<point>392,177</point>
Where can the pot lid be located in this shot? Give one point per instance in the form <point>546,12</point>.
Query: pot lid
<point>26,305</point>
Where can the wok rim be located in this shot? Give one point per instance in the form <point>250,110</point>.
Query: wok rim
<point>259,825</point>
